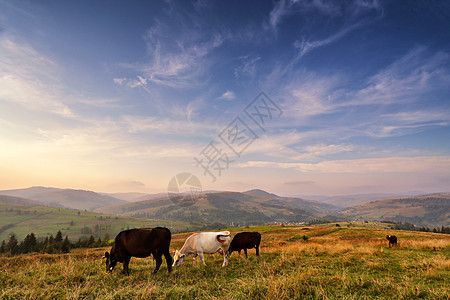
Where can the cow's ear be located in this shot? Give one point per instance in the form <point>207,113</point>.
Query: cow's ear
<point>106,255</point>
<point>182,255</point>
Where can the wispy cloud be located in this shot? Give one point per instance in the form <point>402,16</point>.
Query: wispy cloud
<point>178,62</point>
<point>30,79</point>
<point>425,164</point>
<point>137,124</point>
<point>306,46</point>
<point>310,95</point>
<point>285,8</point>
<point>408,122</point>
<point>228,95</point>
<point>407,79</point>
<point>247,67</point>
<point>313,152</point>
<point>299,183</point>
<point>421,116</point>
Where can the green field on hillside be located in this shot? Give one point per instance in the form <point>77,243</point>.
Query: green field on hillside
<point>330,263</point>
<point>44,221</point>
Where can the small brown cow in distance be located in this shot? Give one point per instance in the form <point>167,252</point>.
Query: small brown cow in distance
<point>141,242</point>
<point>392,240</point>
<point>244,241</point>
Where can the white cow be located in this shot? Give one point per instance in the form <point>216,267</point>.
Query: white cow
<point>204,242</point>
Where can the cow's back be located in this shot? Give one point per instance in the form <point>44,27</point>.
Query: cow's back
<point>207,242</point>
<point>244,240</point>
<point>143,241</point>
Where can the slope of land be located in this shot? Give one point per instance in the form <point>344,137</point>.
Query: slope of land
<point>18,201</point>
<point>44,221</point>
<point>429,210</point>
<point>346,201</point>
<point>126,196</point>
<point>221,207</point>
<point>69,198</point>
<point>295,263</point>
<point>308,205</point>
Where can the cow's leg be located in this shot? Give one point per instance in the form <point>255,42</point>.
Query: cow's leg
<point>169,260</point>
<point>257,250</point>
<point>245,251</point>
<point>200,254</point>
<point>126,261</point>
<point>225,259</point>
<point>158,258</point>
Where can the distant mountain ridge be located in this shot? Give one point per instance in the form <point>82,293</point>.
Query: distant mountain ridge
<point>345,201</point>
<point>251,207</point>
<point>309,205</point>
<point>68,198</point>
<point>18,201</point>
<point>431,210</point>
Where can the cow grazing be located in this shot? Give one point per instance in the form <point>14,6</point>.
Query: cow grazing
<point>204,242</point>
<point>140,243</point>
<point>244,241</point>
<point>392,240</point>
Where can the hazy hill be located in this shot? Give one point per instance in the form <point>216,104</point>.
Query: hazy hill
<point>221,207</point>
<point>311,206</point>
<point>133,197</point>
<point>150,197</point>
<point>77,199</point>
<point>28,192</point>
<point>18,201</point>
<point>261,193</point>
<point>144,197</point>
<point>429,210</point>
<point>344,201</point>
<point>124,196</point>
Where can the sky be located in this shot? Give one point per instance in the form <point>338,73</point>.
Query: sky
<point>293,97</point>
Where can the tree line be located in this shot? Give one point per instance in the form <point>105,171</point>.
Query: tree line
<point>51,245</point>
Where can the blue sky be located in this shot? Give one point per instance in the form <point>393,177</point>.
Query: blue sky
<point>122,96</point>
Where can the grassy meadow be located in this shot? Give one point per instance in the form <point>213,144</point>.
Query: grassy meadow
<point>310,262</point>
<point>45,221</point>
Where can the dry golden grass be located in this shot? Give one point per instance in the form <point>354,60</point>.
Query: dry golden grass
<point>333,263</point>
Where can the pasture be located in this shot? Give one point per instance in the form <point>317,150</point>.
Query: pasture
<point>44,221</point>
<point>312,262</point>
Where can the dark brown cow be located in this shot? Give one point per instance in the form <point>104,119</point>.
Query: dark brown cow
<point>244,241</point>
<point>392,240</point>
<point>140,243</point>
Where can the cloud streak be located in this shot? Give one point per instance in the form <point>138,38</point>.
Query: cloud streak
<point>29,79</point>
<point>425,164</point>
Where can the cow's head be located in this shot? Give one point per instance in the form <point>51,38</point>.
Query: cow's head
<point>387,236</point>
<point>110,261</point>
<point>178,258</point>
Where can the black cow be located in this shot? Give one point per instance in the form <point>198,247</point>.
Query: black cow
<point>244,241</point>
<point>392,240</point>
<point>140,243</point>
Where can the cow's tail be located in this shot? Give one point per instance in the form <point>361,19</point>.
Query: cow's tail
<point>220,237</point>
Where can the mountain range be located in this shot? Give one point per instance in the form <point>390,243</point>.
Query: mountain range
<point>67,198</point>
<point>432,210</point>
<point>250,207</point>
